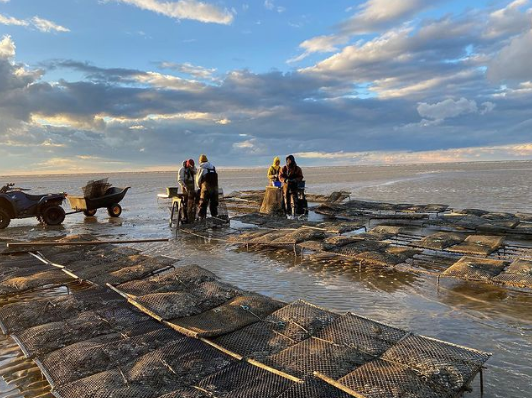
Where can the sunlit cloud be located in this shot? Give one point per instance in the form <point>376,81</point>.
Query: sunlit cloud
<point>185,9</point>
<point>38,23</point>
<point>503,152</point>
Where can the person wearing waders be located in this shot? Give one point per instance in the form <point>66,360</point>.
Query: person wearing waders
<point>290,175</point>
<point>186,178</point>
<point>207,182</point>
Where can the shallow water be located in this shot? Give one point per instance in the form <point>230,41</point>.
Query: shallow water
<point>473,314</point>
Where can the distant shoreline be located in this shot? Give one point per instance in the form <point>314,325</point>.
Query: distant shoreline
<point>235,168</point>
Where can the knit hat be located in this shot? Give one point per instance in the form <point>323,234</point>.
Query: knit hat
<point>203,159</point>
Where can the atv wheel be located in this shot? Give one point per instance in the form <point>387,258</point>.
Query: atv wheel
<point>89,213</point>
<point>114,210</point>
<point>4,219</point>
<point>52,215</point>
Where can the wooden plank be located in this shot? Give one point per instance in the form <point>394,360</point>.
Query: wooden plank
<point>91,243</point>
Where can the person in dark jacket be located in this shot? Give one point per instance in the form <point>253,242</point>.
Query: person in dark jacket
<point>186,178</point>
<point>290,175</point>
<point>207,182</point>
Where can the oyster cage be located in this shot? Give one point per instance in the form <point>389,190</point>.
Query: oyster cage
<point>185,333</point>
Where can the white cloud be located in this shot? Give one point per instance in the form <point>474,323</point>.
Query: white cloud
<point>185,9</point>
<point>170,82</point>
<point>485,153</point>
<point>199,72</point>
<point>41,24</point>
<point>376,14</point>
<point>5,20</point>
<point>7,47</point>
<point>45,25</point>
<point>270,5</point>
<point>319,44</point>
<point>447,109</point>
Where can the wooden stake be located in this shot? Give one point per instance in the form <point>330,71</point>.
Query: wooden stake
<point>340,386</point>
<point>91,243</point>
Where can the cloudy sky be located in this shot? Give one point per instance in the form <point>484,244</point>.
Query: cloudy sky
<point>103,85</point>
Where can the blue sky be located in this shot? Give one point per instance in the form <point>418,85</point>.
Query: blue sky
<point>103,85</point>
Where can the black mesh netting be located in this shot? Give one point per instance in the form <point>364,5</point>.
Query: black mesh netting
<point>242,380</point>
<point>43,339</point>
<point>101,270</point>
<point>440,240</point>
<point>283,328</point>
<point>105,352</point>
<point>178,364</point>
<point>19,316</point>
<point>313,388</point>
<point>181,279</point>
<point>195,300</point>
<point>474,268</point>
<point>316,355</point>
<point>186,392</point>
<point>237,313</point>
<point>368,336</point>
<point>518,274</point>
<point>33,276</point>
<point>95,188</point>
<point>382,379</point>
<point>478,245</point>
<point>449,366</point>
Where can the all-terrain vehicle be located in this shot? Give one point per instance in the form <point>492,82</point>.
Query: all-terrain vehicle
<point>15,203</point>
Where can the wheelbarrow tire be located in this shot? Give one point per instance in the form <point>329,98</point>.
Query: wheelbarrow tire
<point>52,215</point>
<point>114,210</point>
<point>4,219</point>
<point>90,213</point>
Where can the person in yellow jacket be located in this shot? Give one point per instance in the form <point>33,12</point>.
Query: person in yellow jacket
<point>273,171</point>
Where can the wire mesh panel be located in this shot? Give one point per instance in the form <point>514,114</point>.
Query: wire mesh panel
<point>366,335</point>
<point>382,379</point>
<point>313,388</point>
<point>109,384</point>
<point>23,315</point>
<point>126,274</point>
<point>440,240</point>
<point>518,274</point>
<point>478,244</point>
<point>242,380</point>
<point>178,364</point>
<point>473,268</point>
<point>186,392</point>
<point>308,356</point>
<point>300,320</point>
<point>352,249</point>
<point>182,278</point>
<point>449,366</point>
<point>194,300</point>
<point>43,339</point>
<point>105,352</point>
<point>256,341</point>
<point>29,279</point>
<point>234,315</point>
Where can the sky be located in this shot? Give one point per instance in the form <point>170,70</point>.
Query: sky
<point>140,85</point>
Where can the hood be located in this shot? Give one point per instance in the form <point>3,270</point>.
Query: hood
<point>276,159</point>
<point>291,157</point>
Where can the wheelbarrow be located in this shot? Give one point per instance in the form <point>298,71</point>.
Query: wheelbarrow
<point>89,206</point>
